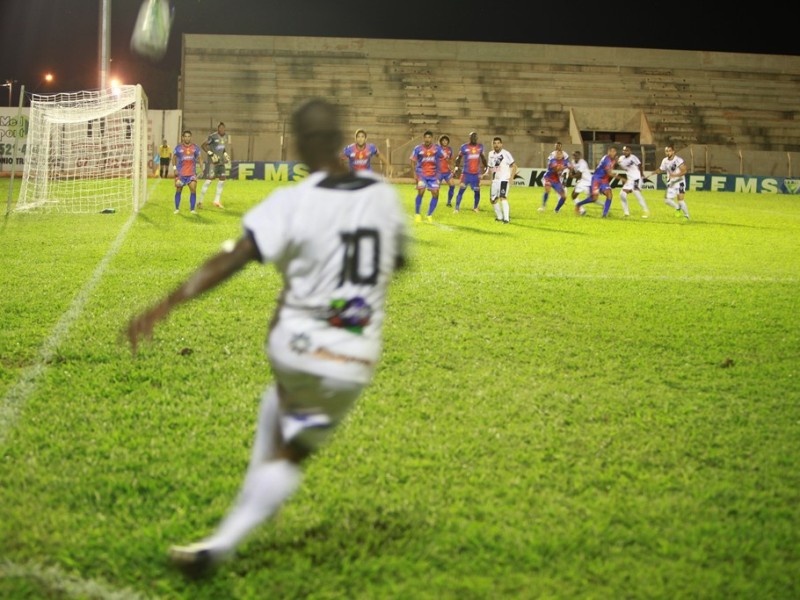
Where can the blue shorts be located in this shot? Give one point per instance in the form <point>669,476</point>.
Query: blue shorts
<point>445,177</point>
<point>184,180</point>
<point>427,183</point>
<point>472,180</point>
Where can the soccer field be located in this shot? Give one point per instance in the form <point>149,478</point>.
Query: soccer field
<point>566,408</point>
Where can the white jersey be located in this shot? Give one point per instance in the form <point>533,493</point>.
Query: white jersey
<point>500,164</point>
<point>672,167</point>
<point>336,243</point>
<point>630,164</point>
<point>582,167</point>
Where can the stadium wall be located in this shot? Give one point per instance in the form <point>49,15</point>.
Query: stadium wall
<point>732,111</point>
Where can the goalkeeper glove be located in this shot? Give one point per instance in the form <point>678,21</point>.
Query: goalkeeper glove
<point>214,157</point>
<point>226,156</point>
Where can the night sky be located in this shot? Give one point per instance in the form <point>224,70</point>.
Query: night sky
<point>62,36</point>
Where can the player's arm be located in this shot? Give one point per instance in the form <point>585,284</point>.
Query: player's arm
<point>513,172</point>
<point>213,272</point>
<point>457,165</point>
<point>208,152</point>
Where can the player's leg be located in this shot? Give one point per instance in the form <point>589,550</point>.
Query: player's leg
<point>178,192</point>
<point>546,195</point>
<point>607,204</point>
<point>623,199</point>
<point>451,191</point>
<point>220,185</point>
<point>434,188</point>
<point>462,186</point>
<point>669,198</point>
<point>418,200</point>
<point>640,197</point>
<point>682,204</point>
<point>476,191</point>
<point>192,195</point>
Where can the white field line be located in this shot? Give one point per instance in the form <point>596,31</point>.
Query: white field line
<point>54,578</point>
<point>14,400</point>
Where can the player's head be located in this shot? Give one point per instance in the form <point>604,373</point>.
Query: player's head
<point>473,137</point>
<point>558,146</point>
<point>497,143</point>
<point>577,155</point>
<point>427,138</point>
<point>626,150</point>
<point>318,135</point>
<point>444,140</point>
<point>186,136</point>
<point>164,141</point>
<point>669,150</point>
<point>612,151</point>
<point>361,137</point>
<point>221,128</point>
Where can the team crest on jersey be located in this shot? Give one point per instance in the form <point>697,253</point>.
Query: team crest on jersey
<point>300,343</point>
<point>353,314</point>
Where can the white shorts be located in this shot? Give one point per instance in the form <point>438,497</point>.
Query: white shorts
<point>676,189</point>
<point>312,406</point>
<point>582,187</point>
<point>499,189</point>
<point>632,184</point>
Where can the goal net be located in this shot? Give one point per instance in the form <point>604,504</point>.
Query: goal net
<point>86,152</point>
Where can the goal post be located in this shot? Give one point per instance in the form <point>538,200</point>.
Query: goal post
<point>86,152</point>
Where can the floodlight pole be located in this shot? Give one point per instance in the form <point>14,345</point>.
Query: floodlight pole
<point>104,41</point>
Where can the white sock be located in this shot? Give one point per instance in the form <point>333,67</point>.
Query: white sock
<point>268,487</point>
<point>623,199</point>
<point>640,198</point>
<point>264,443</point>
<point>504,206</point>
<point>497,210</point>
<point>683,207</point>
<point>219,191</point>
<point>205,189</point>
<point>671,203</point>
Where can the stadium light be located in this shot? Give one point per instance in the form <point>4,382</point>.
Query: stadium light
<point>10,85</point>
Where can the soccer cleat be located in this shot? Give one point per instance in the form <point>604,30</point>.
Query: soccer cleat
<point>193,211</point>
<point>218,205</point>
<point>429,218</point>
<point>541,209</point>
<point>176,211</point>
<point>449,204</point>
<point>626,214</point>
<point>475,210</point>
<point>195,561</point>
<point>645,216</point>
<point>678,212</point>
<point>199,204</point>
<point>507,221</point>
<point>456,211</point>
<point>498,219</point>
<point>417,218</point>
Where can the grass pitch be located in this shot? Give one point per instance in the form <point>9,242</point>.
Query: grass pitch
<point>566,408</point>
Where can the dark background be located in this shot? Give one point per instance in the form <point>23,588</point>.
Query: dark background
<point>62,36</point>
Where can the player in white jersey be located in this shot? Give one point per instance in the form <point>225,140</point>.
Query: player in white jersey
<point>504,170</point>
<point>336,238</point>
<point>631,164</point>
<point>675,169</point>
<point>580,169</point>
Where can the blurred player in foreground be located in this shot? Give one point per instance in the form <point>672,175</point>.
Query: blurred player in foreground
<point>325,338</point>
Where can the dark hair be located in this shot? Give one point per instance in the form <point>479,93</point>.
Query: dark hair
<point>364,131</point>
<point>185,131</point>
<point>443,137</point>
<point>497,138</point>
<point>220,123</point>
<point>428,132</point>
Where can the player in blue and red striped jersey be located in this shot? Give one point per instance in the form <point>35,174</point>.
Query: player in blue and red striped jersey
<point>474,160</point>
<point>184,167</point>
<point>359,154</point>
<point>601,182</point>
<point>445,172</point>
<point>556,165</point>
<point>425,159</point>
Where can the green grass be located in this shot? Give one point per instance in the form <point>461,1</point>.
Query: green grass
<point>566,408</point>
